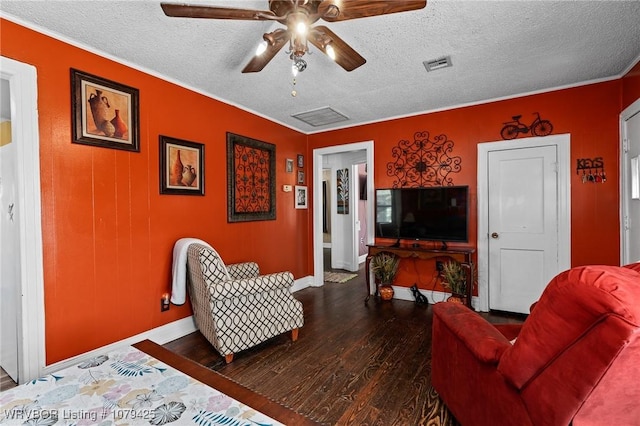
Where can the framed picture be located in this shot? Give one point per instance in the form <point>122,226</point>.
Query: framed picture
<point>181,167</point>
<point>300,160</point>
<point>342,188</point>
<point>105,113</point>
<point>301,197</point>
<point>300,177</point>
<point>289,165</point>
<point>251,179</point>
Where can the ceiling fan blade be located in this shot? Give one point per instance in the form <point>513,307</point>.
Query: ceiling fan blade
<point>258,62</point>
<point>212,12</point>
<point>345,56</point>
<point>353,9</point>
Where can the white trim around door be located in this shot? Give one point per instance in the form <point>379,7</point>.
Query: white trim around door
<point>24,105</point>
<point>625,179</point>
<point>318,164</point>
<point>563,144</point>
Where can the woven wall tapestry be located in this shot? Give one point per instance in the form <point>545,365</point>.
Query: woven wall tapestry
<point>423,161</point>
<point>251,179</point>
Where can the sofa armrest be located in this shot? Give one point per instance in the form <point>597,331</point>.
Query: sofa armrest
<point>244,287</point>
<point>482,339</point>
<point>241,271</point>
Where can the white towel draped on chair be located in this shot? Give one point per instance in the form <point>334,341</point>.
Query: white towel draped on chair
<point>179,284</point>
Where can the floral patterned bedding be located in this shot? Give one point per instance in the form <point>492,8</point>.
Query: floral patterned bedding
<point>125,387</point>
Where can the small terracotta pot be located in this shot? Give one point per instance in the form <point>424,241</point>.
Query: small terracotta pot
<point>386,292</point>
<point>457,298</point>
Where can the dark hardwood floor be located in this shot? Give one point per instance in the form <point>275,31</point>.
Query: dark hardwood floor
<point>353,364</point>
<point>5,381</point>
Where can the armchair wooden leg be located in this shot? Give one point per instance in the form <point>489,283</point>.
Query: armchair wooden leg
<point>294,334</point>
<point>228,358</point>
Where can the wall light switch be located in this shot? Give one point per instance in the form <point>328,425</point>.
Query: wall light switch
<point>286,188</point>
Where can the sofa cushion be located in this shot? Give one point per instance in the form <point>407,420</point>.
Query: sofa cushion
<point>574,303</point>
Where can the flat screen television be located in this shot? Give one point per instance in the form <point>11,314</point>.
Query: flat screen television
<point>431,213</point>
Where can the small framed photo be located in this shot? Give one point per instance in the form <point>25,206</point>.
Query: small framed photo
<point>301,197</point>
<point>300,177</point>
<point>105,113</point>
<point>181,167</point>
<point>300,160</point>
<point>289,165</point>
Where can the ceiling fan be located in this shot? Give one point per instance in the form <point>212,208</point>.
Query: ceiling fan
<point>298,16</point>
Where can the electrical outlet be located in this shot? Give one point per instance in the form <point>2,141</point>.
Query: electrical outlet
<point>439,266</point>
<point>164,302</point>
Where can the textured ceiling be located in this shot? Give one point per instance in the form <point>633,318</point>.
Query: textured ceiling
<point>498,49</point>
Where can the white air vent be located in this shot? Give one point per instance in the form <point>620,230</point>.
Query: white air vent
<point>321,117</point>
<point>436,64</point>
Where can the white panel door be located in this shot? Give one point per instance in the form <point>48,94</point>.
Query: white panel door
<point>630,187</point>
<point>9,250</point>
<point>523,225</point>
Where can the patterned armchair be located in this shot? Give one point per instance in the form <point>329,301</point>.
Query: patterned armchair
<point>234,306</point>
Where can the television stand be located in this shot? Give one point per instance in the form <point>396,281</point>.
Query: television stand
<point>461,255</point>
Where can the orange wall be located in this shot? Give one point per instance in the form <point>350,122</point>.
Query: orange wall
<point>631,86</point>
<point>589,113</point>
<point>107,232</point>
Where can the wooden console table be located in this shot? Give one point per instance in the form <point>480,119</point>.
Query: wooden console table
<point>462,255</point>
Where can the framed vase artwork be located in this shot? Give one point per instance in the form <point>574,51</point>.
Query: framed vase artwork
<point>181,167</point>
<point>251,179</point>
<point>301,197</point>
<point>105,113</point>
<point>289,165</point>
<point>300,160</point>
<point>300,177</point>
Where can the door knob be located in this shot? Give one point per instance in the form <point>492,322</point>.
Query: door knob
<point>494,235</point>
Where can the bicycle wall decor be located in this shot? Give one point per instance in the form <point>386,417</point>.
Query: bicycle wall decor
<point>423,162</point>
<point>538,127</point>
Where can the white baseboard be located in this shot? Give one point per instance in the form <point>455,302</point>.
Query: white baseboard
<point>404,293</point>
<point>160,335</point>
<point>302,283</point>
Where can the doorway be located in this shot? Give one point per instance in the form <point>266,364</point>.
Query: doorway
<point>630,184</point>
<point>343,227</point>
<point>524,225</point>
<point>20,208</point>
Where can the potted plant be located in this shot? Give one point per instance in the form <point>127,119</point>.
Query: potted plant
<point>455,279</point>
<point>385,267</point>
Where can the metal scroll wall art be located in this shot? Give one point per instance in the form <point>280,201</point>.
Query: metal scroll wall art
<point>423,162</point>
<point>592,170</point>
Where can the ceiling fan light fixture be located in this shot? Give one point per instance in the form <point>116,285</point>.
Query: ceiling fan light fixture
<point>262,47</point>
<point>298,65</point>
<point>298,16</point>
<point>330,52</point>
<point>302,28</point>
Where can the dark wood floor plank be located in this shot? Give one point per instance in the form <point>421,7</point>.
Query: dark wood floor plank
<point>353,364</point>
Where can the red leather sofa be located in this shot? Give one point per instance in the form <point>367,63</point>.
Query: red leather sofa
<point>576,359</point>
